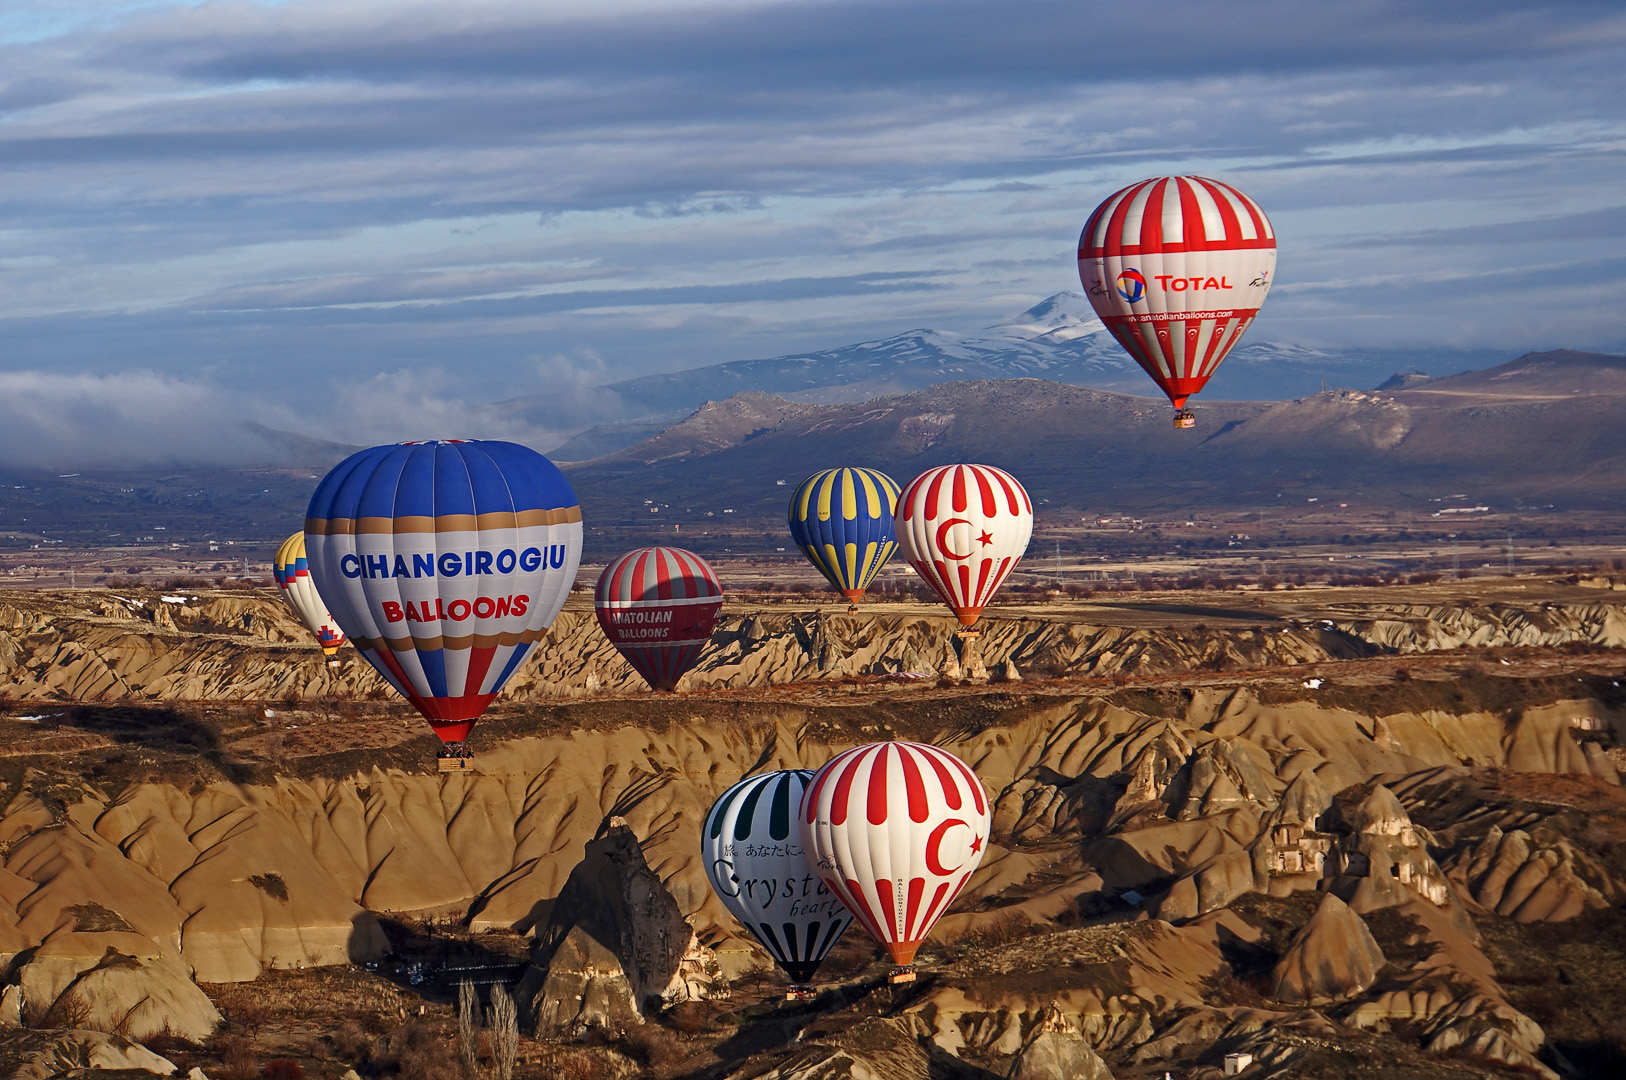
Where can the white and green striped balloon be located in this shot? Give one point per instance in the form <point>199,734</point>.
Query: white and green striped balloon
<point>762,874</point>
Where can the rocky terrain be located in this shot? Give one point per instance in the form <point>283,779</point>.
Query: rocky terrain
<point>1319,828</point>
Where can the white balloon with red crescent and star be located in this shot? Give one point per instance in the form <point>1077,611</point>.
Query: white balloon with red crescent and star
<point>895,829</point>
<point>963,528</point>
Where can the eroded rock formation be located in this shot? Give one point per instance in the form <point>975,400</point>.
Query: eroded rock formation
<point>1170,805</point>
<point>1332,956</point>
<point>615,946</point>
<point>100,647</point>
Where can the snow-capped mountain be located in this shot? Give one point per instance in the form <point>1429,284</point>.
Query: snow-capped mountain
<point>1059,339</point>
<point>1067,316</point>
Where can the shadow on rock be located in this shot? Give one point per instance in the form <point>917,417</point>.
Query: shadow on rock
<point>434,958</point>
<point>160,730</point>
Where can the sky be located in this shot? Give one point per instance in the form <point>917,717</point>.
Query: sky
<point>363,219</point>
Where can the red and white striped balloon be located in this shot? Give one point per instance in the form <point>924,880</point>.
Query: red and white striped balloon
<point>895,829</point>
<point>657,605</point>
<point>1177,268</point>
<point>963,528</point>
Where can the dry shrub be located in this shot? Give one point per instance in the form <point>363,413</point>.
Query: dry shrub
<point>175,584</point>
<point>573,1065</point>
<point>237,1059</point>
<point>270,884</point>
<point>688,1017</point>
<point>166,1042</point>
<point>1004,929</point>
<point>756,975</point>
<point>649,1045</point>
<point>67,1011</point>
<point>414,1052</point>
<point>121,1026</point>
<point>351,1043</point>
<point>249,1015</point>
<point>429,1063</point>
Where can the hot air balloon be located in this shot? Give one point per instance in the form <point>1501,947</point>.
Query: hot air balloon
<point>1177,267</point>
<point>290,569</point>
<point>657,605</point>
<point>760,870</point>
<point>445,562</point>
<point>842,521</point>
<point>896,830</point>
<point>963,528</point>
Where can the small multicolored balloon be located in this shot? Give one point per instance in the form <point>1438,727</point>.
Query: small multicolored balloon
<point>292,571</point>
<point>658,605</point>
<point>896,830</point>
<point>760,870</point>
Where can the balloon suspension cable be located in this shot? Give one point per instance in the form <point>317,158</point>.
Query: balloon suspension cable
<point>903,974</point>
<point>1185,418</point>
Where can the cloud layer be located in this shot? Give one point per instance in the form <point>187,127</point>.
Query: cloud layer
<point>363,203</point>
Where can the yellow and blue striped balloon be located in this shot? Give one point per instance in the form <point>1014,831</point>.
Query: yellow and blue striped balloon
<point>842,521</point>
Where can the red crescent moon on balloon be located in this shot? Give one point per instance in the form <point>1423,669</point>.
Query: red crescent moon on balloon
<point>934,844</point>
<point>942,538</point>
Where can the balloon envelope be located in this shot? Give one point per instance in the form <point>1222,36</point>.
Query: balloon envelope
<point>963,528</point>
<point>445,562</point>
<point>896,830</point>
<point>1177,268</point>
<point>842,521</point>
<point>292,571</point>
<point>760,870</point>
<point>657,605</point>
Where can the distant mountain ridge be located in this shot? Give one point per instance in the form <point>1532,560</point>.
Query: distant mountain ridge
<point>1059,339</point>
<point>1529,446</point>
<point>1545,436</point>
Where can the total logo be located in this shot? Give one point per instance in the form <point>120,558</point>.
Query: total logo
<point>1132,285</point>
<point>1181,284</point>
